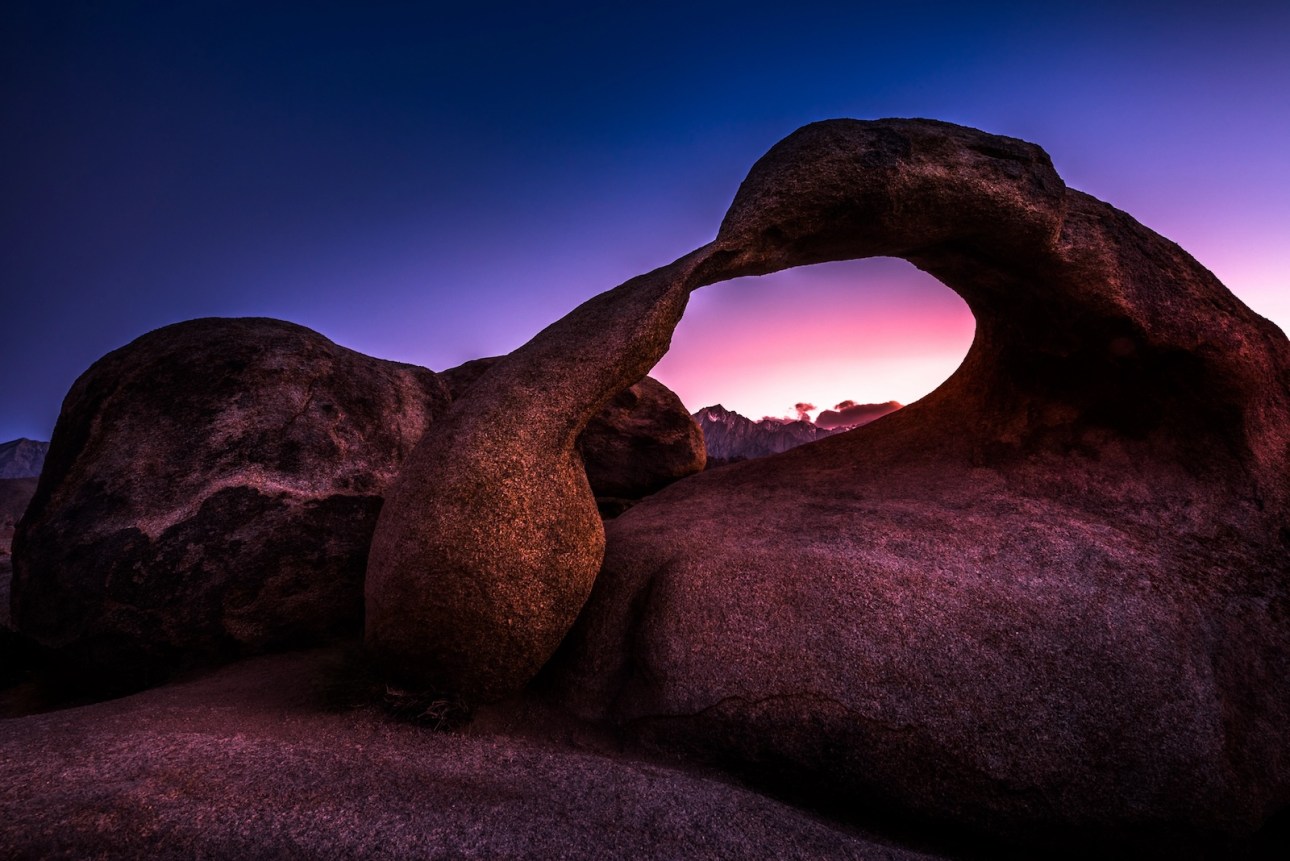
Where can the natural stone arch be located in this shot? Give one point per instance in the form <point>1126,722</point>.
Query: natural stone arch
<point>489,543</point>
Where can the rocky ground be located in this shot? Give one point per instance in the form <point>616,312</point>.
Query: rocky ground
<point>291,757</point>
<point>310,755</point>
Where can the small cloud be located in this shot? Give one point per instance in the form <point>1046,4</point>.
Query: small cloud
<point>803,411</point>
<point>850,414</point>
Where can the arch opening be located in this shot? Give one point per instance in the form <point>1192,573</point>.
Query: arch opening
<point>868,331</point>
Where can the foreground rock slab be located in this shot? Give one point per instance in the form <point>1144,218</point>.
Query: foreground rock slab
<point>268,759</point>
<point>1053,594</point>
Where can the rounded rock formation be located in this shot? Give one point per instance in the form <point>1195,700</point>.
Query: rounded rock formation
<point>1051,594</point>
<point>210,492</point>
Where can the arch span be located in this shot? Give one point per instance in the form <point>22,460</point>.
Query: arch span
<point>1090,328</point>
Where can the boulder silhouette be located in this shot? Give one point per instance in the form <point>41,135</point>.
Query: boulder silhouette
<point>210,492</point>
<point>1051,594</point>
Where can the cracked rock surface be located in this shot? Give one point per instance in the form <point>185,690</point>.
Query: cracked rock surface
<point>1050,595</point>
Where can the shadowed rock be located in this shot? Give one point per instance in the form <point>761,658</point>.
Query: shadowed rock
<point>15,494</point>
<point>1051,594</point>
<point>642,441</point>
<point>210,491</point>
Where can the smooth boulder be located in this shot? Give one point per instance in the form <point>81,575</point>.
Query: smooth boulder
<point>210,492</point>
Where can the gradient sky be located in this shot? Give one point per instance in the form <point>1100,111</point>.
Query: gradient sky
<point>432,183</point>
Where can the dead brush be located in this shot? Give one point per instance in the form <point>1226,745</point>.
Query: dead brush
<point>430,709</point>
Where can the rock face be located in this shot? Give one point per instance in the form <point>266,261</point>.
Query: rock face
<point>22,458</point>
<point>642,441</point>
<point>210,491</point>
<point>1050,595</point>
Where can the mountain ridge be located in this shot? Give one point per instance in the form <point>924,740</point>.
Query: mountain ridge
<point>729,436</point>
<point>22,458</point>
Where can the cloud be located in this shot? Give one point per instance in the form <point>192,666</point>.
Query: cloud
<point>803,411</point>
<point>851,414</point>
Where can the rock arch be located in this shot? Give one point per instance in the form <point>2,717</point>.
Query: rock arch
<point>1094,334</point>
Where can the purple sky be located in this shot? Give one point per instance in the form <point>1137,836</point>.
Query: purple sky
<point>432,186</point>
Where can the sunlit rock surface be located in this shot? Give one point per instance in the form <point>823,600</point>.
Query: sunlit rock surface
<point>1050,595</point>
<point>642,441</point>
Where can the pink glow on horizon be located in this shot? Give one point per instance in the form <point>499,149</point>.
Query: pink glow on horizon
<point>868,331</point>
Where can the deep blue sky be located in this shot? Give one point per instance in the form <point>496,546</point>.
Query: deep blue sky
<point>431,183</point>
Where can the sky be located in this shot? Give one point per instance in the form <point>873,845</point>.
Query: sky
<point>435,182</point>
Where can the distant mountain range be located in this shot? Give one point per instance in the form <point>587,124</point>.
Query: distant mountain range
<point>729,436</point>
<point>22,458</point>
